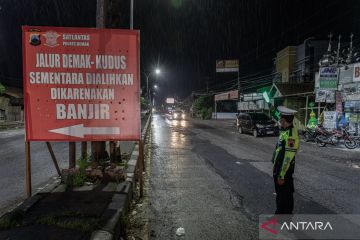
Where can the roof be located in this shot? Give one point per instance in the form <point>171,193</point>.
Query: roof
<point>287,89</point>
<point>14,92</point>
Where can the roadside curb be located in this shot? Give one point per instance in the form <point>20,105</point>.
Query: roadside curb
<point>119,206</point>
<point>25,205</point>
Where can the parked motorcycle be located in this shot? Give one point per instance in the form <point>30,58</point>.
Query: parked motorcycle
<point>334,137</point>
<point>350,141</point>
<point>326,137</point>
<point>310,134</point>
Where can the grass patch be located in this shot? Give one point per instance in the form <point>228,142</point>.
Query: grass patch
<point>14,219</point>
<point>81,224</point>
<point>123,164</point>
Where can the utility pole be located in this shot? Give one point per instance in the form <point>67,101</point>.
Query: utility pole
<point>238,83</point>
<point>101,13</point>
<point>131,14</point>
<point>98,148</point>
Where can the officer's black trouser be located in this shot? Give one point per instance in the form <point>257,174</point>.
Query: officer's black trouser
<point>284,196</point>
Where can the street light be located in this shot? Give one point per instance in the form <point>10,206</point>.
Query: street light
<point>157,72</point>
<point>155,86</point>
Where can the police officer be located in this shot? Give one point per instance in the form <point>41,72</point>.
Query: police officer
<point>284,161</point>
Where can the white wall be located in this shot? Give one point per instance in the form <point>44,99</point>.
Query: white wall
<point>221,115</point>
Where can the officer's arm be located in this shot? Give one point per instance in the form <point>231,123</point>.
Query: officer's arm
<point>291,148</point>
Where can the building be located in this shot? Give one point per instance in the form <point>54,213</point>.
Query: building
<point>308,55</point>
<point>285,63</point>
<point>12,105</point>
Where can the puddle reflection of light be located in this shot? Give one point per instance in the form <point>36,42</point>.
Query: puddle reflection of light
<point>178,123</point>
<point>177,140</point>
<point>175,123</point>
<point>183,123</point>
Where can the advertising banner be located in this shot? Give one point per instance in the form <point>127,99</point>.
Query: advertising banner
<point>354,122</point>
<point>170,100</point>
<point>356,76</point>
<point>81,84</point>
<point>339,104</point>
<point>327,96</point>
<point>328,77</point>
<point>227,65</point>
<point>231,95</point>
<point>329,119</point>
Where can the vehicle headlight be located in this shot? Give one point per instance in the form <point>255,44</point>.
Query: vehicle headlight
<point>259,126</point>
<point>183,115</point>
<point>175,115</point>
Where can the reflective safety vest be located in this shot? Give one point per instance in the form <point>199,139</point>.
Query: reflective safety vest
<point>285,151</point>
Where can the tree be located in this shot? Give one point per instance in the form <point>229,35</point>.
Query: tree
<point>144,104</point>
<point>2,89</point>
<point>203,106</point>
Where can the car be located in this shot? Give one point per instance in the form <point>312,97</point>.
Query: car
<point>178,115</point>
<point>259,124</point>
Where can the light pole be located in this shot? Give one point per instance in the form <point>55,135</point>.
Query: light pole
<point>147,75</point>
<point>131,14</point>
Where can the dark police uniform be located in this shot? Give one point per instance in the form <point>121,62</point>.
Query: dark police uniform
<point>283,168</point>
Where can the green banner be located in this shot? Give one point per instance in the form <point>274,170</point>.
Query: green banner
<point>328,83</point>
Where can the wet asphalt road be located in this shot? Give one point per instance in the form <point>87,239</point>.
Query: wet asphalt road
<point>12,166</point>
<point>215,183</point>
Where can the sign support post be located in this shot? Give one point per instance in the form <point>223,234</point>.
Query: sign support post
<point>72,154</point>
<point>53,158</point>
<point>112,151</point>
<point>83,150</point>
<point>28,169</point>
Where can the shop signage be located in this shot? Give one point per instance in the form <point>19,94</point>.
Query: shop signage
<point>329,119</point>
<point>327,96</point>
<point>227,65</point>
<point>356,76</point>
<point>232,95</point>
<point>328,77</point>
<point>339,106</point>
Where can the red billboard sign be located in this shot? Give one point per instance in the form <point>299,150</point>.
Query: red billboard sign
<point>231,95</point>
<point>81,84</point>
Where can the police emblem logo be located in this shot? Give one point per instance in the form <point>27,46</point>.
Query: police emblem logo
<point>291,142</point>
<point>51,38</point>
<point>35,39</point>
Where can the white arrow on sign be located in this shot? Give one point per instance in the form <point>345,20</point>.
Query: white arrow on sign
<point>79,130</point>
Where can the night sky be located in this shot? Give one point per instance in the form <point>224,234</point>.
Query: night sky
<point>185,37</point>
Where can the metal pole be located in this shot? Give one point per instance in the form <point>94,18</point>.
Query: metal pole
<point>238,82</point>
<point>72,154</point>
<point>141,167</point>
<point>101,13</point>
<point>215,109</point>
<point>28,169</point>
<point>112,151</point>
<point>147,86</point>
<point>306,110</point>
<point>132,14</point>
<point>83,150</point>
<point>53,158</point>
